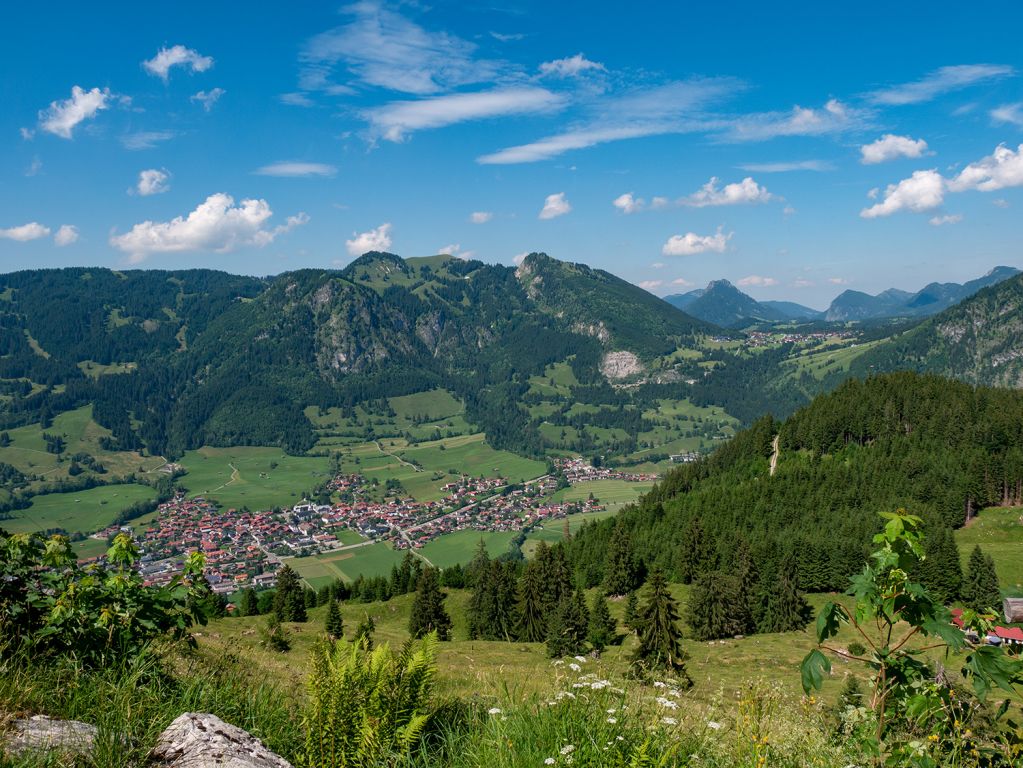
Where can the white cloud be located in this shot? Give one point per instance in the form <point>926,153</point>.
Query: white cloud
<point>838,281</point>
<point>296,100</point>
<point>938,82</point>
<point>555,205</point>
<point>681,281</point>
<point>518,258</point>
<point>176,56</point>
<point>745,191</point>
<point>382,48</point>
<point>786,167</point>
<point>691,244</point>
<point>25,232</point>
<point>394,121</point>
<point>1009,113</point>
<point>833,117</point>
<point>658,265</point>
<point>66,235</point>
<point>61,117</point>
<point>649,285</point>
<point>573,66</point>
<point>666,109</point>
<point>892,147</point>
<point>1000,203</point>
<point>208,98</point>
<point>627,203</point>
<point>34,167</point>
<point>480,217</point>
<point>922,191</point>
<point>1001,169</point>
<point>756,281</point>
<point>378,239</point>
<point>456,250</point>
<point>27,133</point>
<point>152,182</point>
<point>145,139</point>
<point>938,221</point>
<point>294,169</point>
<point>802,282</point>
<point>788,210</point>
<point>659,203</point>
<point>215,225</point>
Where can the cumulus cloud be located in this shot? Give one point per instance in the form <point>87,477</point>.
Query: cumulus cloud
<point>940,221</point>
<point>456,250</point>
<point>378,239</point>
<point>627,203</point>
<point>394,121</point>
<point>518,258</point>
<point>176,56</point>
<point>1009,113</point>
<point>649,285</point>
<point>61,117</point>
<point>923,191</point>
<point>208,98</point>
<point>681,281</point>
<point>756,281</point>
<point>892,147</point>
<point>294,169</point>
<point>939,81</point>
<point>480,217</point>
<point>786,167</point>
<point>25,232</point>
<point>691,243</point>
<point>66,235</point>
<point>216,224</point>
<point>152,182</point>
<point>1001,169</point>
<point>833,117</point>
<point>555,205</point>
<point>745,191</point>
<point>573,66</point>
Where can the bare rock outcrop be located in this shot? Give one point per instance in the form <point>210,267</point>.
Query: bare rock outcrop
<point>620,365</point>
<point>197,740</point>
<point>44,734</point>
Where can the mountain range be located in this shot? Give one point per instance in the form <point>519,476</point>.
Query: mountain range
<point>725,305</point>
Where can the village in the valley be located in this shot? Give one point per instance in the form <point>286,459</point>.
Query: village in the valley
<point>245,549</point>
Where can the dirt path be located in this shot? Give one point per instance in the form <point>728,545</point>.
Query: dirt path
<point>774,454</point>
<point>396,456</point>
<point>235,477</point>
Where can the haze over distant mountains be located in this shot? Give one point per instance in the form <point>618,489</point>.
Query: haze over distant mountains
<point>723,304</point>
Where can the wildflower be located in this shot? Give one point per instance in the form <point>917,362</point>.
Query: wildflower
<point>714,725</point>
<point>558,663</point>
<point>611,711</point>
<point>493,711</point>
<point>568,749</point>
<point>669,721</point>
<point>574,667</point>
<point>598,685</point>
<point>580,659</point>
<point>667,703</point>
<point>659,684</point>
<point>612,720</point>
<point>549,761</point>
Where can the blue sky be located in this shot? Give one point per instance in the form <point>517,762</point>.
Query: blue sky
<point>794,150</point>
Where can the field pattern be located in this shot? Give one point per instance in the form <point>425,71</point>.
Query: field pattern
<point>78,511</point>
<point>257,478</point>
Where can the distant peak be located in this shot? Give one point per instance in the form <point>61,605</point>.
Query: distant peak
<point>722,283</point>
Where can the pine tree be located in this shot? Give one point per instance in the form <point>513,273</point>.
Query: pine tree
<point>980,589</point>
<point>716,608</point>
<point>620,574</point>
<point>747,576</point>
<point>660,639</point>
<point>532,619</point>
<point>786,610</point>
<point>940,571</point>
<point>478,565</point>
<point>631,617</point>
<point>693,556</point>
<point>603,630</point>
<point>364,632</point>
<point>249,603</point>
<point>335,624</point>
<point>566,635</point>
<point>274,637</point>
<point>428,613</point>
<point>289,600</point>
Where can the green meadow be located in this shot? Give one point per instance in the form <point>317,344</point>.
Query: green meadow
<point>999,532</point>
<point>78,511</point>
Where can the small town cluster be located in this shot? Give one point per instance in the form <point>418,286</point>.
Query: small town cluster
<point>757,339</point>
<point>244,549</point>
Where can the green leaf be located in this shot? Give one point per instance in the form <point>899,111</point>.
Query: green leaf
<point>813,669</point>
<point>832,615</point>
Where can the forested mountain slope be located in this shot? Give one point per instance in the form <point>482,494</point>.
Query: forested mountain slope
<point>979,341</point>
<point>936,447</point>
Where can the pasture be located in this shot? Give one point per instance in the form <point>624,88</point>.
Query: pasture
<point>999,532</point>
<point>459,547</point>
<point>257,478</point>
<point>78,511</point>
<point>323,569</point>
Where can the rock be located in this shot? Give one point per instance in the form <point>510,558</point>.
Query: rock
<point>41,733</point>
<point>197,740</point>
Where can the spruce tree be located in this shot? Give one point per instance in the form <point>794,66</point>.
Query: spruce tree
<point>980,587</point>
<point>428,613</point>
<point>660,639</point>
<point>274,637</point>
<point>716,608</point>
<point>603,630</point>
<point>478,565</point>
<point>335,624</point>
<point>747,576</point>
<point>566,635</point>
<point>249,603</point>
<point>621,573</point>
<point>631,617</point>
<point>532,618</point>
<point>786,610</point>
<point>940,571</point>
<point>693,555</point>
<point>289,600</point>
<point>364,632</point>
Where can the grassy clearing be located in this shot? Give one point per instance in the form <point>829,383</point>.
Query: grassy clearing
<point>79,511</point>
<point>371,560</point>
<point>460,546</point>
<point>820,361</point>
<point>95,370</point>
<point>999,532</point>
<point>257,478</point>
